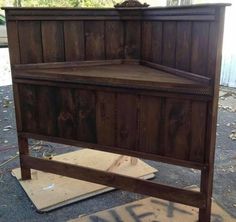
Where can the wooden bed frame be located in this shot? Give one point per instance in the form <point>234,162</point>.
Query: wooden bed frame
<point>136,81</point>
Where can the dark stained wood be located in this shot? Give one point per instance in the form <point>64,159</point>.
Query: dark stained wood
<point>200,40</point>
<point>177,128</point>
<point>24,150</point>
<point>94,40</point>
<point>202,79</point>
<point>135,81</point>
<point>127,120</point>
<point>192,198</point>
<point>147,40</point>
<point>74,40</point>
<point>14,48</point>
<point>169,44</point>
<point>66,116</point>
<point>198,122</point>
<point>53,41</point>
<point>86,115</point>
<point>118,150</point>
<point>183,45</point>
<point>156,42</point>
<point>114,39</point>
<point>129,75</point>
<point>47,110</point>
<point>17,106</point>
<point>216,34</point>
<point>30,36</point>
<point>106,118</point>
<point>150,115</point>
<point>132,39</point>
<point>29,114</point>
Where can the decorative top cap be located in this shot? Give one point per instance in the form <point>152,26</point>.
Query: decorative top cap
<point>130,4</point>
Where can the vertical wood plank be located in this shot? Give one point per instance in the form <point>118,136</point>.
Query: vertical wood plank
<point>169,43</point>
<point>74,40</point>
<point>114,35</point>
<point>212,49</point>
<point>105,118</point>
<point>150,124</point>
<point>132,39</point>
<point>86,115</point>
<point>29,113</point>
<point>127,121</point>
<point>157,42</point>
<point>147,40</point>
<point>17,106</point>
<point>199,56</point>
<point>13,42</point>
<point>177,128</point>
<point>53,41</point>
<point>207,174</point>
<point>24,150</point>
<point>47,110</point>
<point>66,119</point>
<point>94,34</point>
<point>30,41</point>
<point>198,121</point>
<point>183,45</point>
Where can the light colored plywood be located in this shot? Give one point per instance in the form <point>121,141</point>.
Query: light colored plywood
<point>153,209</point>
<point>49,191</point>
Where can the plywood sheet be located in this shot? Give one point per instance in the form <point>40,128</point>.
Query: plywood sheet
<point>49,191</point>
<point>153,209</point>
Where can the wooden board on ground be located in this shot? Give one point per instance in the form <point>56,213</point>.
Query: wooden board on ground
<point>154,210</point>
<point>49,191</point>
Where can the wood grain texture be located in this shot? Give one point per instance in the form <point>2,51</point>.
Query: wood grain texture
<point>169,43</point>
<point>146,43</point>
<point>114,39</point>
<point>132,39</point>
<point>94,40</point>
<point>127,120</point>
<point>136,185</point>
<point>177,128</point>
<point>198,134</point>
<point>150,124</point>
<point>212,49</point>
<point>106,118</point>
<point>200,40</point>
<point>53,41</point>
<point>183,45</point>
<point>24,150</point>
<point>164,112</point>
<point>74,40</point>
<point>85,103</point>
<point>66,116</point>
<point>157,42</point>
<point>30,41</point>
<point>28,104</point>
<point>14,48</point>
<point>47,110</point>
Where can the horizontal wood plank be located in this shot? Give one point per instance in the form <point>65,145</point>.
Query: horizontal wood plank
<point>163,159</point>
<point>192,198</point>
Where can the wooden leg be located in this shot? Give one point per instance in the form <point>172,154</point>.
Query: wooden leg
<point>206,188</point>
<point>24,150</point>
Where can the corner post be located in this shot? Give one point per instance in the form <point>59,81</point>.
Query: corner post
<point>206,188</point>
<point>24,150</point>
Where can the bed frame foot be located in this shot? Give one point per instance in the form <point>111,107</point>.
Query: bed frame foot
<point>24,150</point>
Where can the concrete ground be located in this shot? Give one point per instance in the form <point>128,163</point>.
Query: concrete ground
<point>15,206</point>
